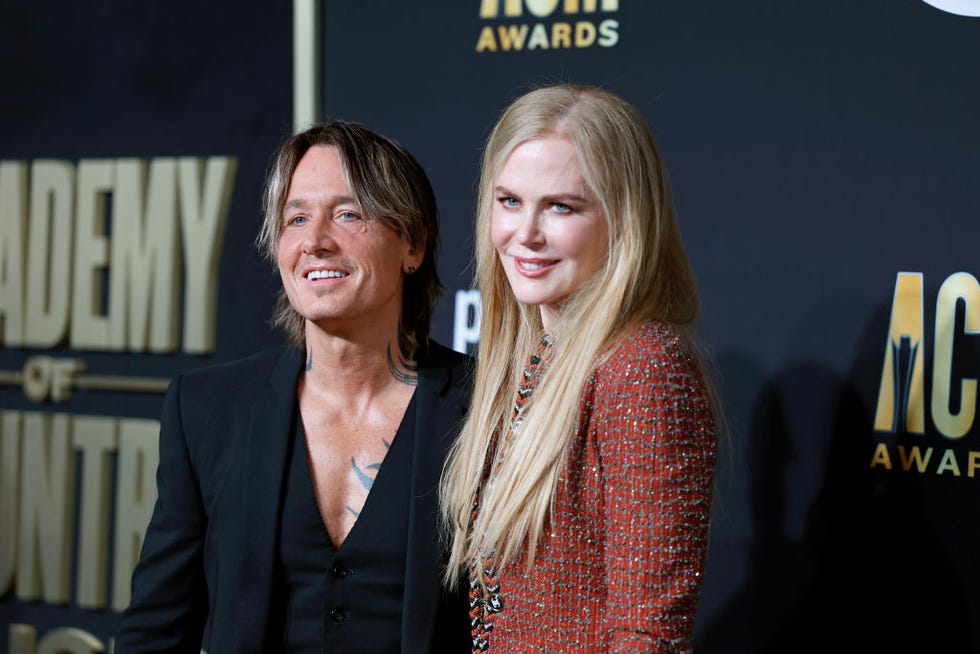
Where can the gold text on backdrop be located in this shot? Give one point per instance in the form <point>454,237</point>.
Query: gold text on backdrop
<point>560,25</point>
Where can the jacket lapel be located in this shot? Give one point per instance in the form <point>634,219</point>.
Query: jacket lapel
<point>269,432</point>
<point>439,415</point>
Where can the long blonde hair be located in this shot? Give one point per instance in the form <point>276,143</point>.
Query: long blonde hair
<point>646,275</point>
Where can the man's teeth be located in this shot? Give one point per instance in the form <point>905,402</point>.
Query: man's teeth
<point>321,274</point>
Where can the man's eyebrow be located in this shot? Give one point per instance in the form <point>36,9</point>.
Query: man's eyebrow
<point>299,203</point>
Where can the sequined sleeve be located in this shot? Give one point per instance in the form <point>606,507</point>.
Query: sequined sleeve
<point>656,441</point>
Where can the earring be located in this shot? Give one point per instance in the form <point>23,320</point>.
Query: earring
<point>411,269</point>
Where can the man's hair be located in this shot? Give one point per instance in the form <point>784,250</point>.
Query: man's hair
<point>391,187</point>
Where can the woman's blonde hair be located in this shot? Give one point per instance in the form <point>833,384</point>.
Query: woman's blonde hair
<point>646,275</point>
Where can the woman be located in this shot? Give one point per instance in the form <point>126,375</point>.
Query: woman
<point>579,493</point>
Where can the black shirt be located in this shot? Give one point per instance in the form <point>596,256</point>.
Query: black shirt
<point>347,600</point>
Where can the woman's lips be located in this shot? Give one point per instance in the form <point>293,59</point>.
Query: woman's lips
<point>534,267</point>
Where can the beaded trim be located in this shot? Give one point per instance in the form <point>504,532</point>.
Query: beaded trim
<point>486,602</point>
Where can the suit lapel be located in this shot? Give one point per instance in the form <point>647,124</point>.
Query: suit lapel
<point>269,433</point>
<point>439,415</point>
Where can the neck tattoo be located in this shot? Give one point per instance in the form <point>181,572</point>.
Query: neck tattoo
<point>409,376</point>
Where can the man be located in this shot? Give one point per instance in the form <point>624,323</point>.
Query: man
<point>297,506</point>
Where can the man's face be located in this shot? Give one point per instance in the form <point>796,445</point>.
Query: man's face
<point>340,268</point>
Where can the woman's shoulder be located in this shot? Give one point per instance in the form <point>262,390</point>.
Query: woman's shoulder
<point>651,345</point>
<point>651,372</point>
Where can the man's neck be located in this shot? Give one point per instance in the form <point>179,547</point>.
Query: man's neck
<point>355,365</point>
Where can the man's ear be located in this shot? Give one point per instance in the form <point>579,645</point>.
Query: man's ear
<point>412,260</point>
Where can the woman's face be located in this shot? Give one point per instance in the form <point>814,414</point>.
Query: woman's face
<point>546,225</point>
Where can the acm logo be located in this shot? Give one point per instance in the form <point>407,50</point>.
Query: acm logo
<point>554,28</point>
<point>901,405</point>
<point>901,397</point>
<point>543,8</point>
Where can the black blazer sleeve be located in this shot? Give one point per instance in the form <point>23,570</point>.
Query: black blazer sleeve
<point>168,608</point>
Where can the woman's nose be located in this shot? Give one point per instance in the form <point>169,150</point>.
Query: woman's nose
<point>529,228</point>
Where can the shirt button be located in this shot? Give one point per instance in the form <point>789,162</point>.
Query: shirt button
<point>338,615</point>
<point>339,571</point>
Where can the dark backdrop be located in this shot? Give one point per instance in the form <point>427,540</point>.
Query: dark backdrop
<point>817,150</point>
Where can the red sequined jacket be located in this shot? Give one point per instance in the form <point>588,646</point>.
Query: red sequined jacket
<point>620,566</point>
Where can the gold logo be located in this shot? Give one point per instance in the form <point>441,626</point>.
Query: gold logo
<point>901,405</point>
<point>554,24</point>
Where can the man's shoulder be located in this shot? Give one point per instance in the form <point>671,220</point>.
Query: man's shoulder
<point>259,366</point>
<point>450,371</point>
<point>439,356</point>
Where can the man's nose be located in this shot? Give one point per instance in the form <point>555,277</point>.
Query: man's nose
<point>319,237</point>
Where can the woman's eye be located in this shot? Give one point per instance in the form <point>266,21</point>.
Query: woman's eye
<point>561,207</point>
<point>510,203</point>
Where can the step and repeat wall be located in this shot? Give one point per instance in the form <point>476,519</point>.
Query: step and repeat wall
<point>825,161</point>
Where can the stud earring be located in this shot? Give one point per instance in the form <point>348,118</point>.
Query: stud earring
<point>411,269</point>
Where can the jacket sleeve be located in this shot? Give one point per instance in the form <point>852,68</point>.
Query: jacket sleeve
<point>657,444</point>
<point>168,608</point>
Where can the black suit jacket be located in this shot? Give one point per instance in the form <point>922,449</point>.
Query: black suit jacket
<point>204,578</point>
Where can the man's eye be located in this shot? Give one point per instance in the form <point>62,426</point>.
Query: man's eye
<point>347,216</point>
<point>297,220</point>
